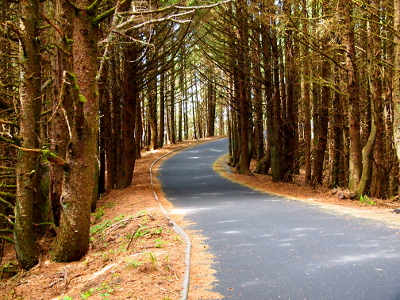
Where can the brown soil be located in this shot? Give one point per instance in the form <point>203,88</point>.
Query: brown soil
<point>135,254</point>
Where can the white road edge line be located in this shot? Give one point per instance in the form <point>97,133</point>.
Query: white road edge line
<point>177,228</point>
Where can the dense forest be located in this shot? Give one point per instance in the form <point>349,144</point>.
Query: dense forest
<point>307,86</point>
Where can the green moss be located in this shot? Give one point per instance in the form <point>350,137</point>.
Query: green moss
<point>82,98</point>
<point>74,80</point>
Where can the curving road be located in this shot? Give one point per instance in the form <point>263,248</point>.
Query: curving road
<point>269,247</point>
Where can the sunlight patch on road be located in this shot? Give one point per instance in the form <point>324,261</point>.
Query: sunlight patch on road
<point>305,229</point>
<point>363,257</point>
<point>228,221</point>
<point>267,235</point>
<point>182,211</point>
<point>216,150</point>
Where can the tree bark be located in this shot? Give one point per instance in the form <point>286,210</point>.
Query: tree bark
<point>161,135</point>
<point>396,79</point>
<point>242,87</point>
<point>321,119</point>
<point>355,158</point>
<point>28,161</point>
<point>131,95</point>
<point>72,241</point>
<point>153,111</point>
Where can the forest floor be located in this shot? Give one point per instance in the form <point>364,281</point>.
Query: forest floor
<point>135,253</point>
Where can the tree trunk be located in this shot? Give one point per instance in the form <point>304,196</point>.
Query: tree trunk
<point>242,87</point>
<point>321,123</point>
<point>28,161</point>
<point>380,178</point>
<point>305,86</point>
<point>396,79</point>
<point>337,137</point>
<point>290,107</point>
<point>152,90</point>
<point>161,135</point>
<point>62,108</point>
<point>72,241</point>
<point>355,158</point>
<point>275,133</point>
<point>211,106</point>
<point>264,164</point>
<point>172,99</point>
<point>131,94</point>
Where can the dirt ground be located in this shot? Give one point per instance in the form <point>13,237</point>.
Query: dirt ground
<point>135,253</point>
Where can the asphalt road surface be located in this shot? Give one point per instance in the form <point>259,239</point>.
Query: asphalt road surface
<point>269,247</point>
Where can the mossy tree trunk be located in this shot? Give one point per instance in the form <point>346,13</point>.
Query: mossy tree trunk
<point>28,161</point>
<point>355,158</point>
<point>396,79</point>
<point>379,178</point>
<point>62,106</point>
<point>72,241</point>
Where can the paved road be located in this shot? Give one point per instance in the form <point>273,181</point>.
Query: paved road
<point>269,247</point>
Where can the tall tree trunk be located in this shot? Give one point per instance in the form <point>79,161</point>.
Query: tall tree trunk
<point>337,137</point>
<point>211,106</point>
<point>373,150</point>
<point>62,107</point>
<point>131,95</point>
<point>265,163</point>
<point>305,87</point>
<point>72,241</point>
<point>355,158</point>
<point>396,79</point>
<point>139,128</point>
<point>28,159</point>
<point>153,111</point>
<point>194,115</point>
<point>275,133</point>
<point>290,105</point>
<point>258,105</point>
<point>242,86</point>
<point>161,134</point>
<point>321,123</point>
<point>172,99</point>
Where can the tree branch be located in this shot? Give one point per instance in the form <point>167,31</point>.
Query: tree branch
<point>7,239</point>
<point>52,24</point>
<point>160,20</point>
<point>73,6</point>
<point>92,7</point>
<point>120,4</point>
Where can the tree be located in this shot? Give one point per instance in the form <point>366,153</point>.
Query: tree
<point>72,241</point>
<point>355,166</point>
<point>396,78</point>
<point>28,159</point>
